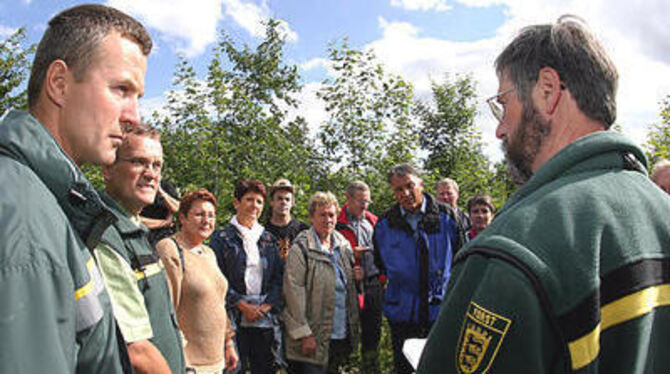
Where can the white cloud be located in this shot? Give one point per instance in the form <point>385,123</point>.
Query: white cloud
<point>250,17</point>
<point>421,59</point>
<point>315,63</point>
<point>6,31</point>
<point>638,42</point>
<point>480,3</point>
<point>192,25</point>
<point>150,105</point>
<point>311,107</point>
<point>319,63</point>
<point>437,5</point>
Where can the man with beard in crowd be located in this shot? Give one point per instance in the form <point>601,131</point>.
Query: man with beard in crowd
<point>572,274</point>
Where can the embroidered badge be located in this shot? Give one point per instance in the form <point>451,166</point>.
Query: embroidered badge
<point>482,334</point>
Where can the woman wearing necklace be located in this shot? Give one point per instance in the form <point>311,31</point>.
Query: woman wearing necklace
<point>247,255</point>
<point>198,287</point>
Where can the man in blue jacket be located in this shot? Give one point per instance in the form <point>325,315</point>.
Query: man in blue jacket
<point>415,240</point>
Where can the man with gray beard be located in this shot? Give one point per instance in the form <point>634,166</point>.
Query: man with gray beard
<point>572,274</point>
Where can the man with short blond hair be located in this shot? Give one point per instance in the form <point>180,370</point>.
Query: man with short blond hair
<point>357,224</point>
<point>86,79</point>
<point>447,192</point>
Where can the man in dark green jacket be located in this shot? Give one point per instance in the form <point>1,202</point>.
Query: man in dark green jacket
<point>132,271</point>
<point>572,275</point>
<point>55,315</point>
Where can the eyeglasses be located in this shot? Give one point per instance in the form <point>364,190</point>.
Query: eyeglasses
<point>496,108</point>
<point>143,164</point>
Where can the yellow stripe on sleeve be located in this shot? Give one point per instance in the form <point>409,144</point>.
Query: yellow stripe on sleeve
<point>149,270</point>
<point>586,348</point>
<point>88,287</point>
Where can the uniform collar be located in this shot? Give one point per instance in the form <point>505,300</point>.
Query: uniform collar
<point>25,139</point>
<point>597,151</point>
<point>125,223</point>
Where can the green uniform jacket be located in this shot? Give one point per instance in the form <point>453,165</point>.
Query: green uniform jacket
<point>309,293</point>
<point>55,315</point>
<point>130,241</point>
<point>573,275</point>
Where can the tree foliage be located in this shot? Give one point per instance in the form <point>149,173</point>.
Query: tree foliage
<point>501,185</point>
<point>14,69</point>
<point>449,136</point>
<point>658,138</point>
<point>370,121</point>
<point>236,123</point>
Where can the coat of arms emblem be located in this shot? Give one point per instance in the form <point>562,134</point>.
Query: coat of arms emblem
<point>481,336</point>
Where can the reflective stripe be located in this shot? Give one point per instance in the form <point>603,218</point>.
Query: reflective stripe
<point>89,309</point>
<point>85,290</point>
<point>88,287</point>
<point>149,270</point>
<point>585,349</point>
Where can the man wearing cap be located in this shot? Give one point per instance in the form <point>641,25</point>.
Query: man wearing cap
<point>282,224</point>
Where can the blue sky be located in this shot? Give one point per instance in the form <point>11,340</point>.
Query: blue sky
<point>418,39</point>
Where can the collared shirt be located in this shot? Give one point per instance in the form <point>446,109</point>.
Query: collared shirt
<point>413,219</point>
<point>339,330</point>
<point>362,229</point>
<point>127,300</point>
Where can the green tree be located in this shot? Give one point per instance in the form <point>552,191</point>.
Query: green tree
<point>237,123</point>
<point>14,69</point>
<point>449,136</point>
<point>501,186</point>
<point>658,139</point>
<point>370,121</point>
